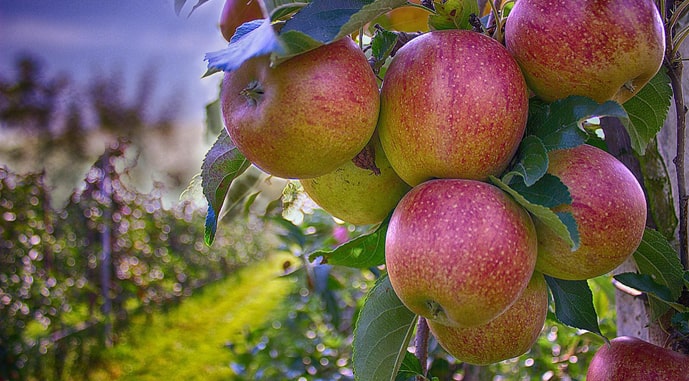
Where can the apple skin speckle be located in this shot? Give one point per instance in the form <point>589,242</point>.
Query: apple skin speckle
<point>609,207</point>
<point>509,335</point>
<point>473,260</point>
<point>305,117</point>
<point>629,358</point>
<point>593,48</point>
<point>454,104</point>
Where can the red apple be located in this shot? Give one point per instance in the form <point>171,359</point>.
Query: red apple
<point>306,116</point>
<point>453,105</point>
<point>236,13</point>
<point>632,359</point>
<point>356,195</point>
<point>459,252</point>
<point>609,207</point>
<point>509,335</point>
<point>600,49</point>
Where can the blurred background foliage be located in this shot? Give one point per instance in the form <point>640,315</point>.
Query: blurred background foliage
<point>53,287</point>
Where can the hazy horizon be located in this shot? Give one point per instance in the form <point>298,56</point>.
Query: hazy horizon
<point>129,38</point>
<point>86,38</point>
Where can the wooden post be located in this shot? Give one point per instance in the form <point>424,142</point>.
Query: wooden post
<point>106,254</point>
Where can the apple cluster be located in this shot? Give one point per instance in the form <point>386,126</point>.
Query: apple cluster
<point>451,112</point>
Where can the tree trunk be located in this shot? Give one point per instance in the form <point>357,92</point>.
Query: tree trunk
<point>667,138</point>
<point>633,311</point>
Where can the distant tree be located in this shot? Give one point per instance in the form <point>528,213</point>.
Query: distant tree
<point>30,100</point>
<point>124,115</point>
<point>59,118</point>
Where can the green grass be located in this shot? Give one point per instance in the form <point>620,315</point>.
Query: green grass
<point>188,342</point>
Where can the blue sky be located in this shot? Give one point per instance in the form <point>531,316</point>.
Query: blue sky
<point>85,37</point>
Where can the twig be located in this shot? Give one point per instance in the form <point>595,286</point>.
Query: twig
<point>494,24</point>
<point>421,346</point>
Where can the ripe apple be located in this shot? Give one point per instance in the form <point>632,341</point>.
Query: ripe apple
<point>609,207</point>
<point>509,335</point>
<point>356,195</point>
<point>237,12</point>
<point>629,358</point>
<point>600,49</point>
<point>453,105</point>
<point>459,252</point>
<point>306,116</point>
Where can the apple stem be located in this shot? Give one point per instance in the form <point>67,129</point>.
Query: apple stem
<point>366,159</point>
<point>494,24</point>
<point>253,92</point>
<point>421,346</point>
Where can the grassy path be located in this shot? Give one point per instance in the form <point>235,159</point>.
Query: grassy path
<point>187,343</point>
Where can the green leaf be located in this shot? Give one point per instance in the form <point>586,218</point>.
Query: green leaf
<point>285,12</point>
<point>647,111</point>
<point>560,124</point>
<point>381,46</point>
<point>294,44</point>
<point>567,218</point>
<point>367,14</point>
<point>531,163</point>
<point>252,39</point>
<point>548,191</point>
<point>239,191</point>
<point>411,366</point>
<point>681,322</point>
<point>179,4</point>
<point>292,233</point>
<point>686,278</point>
<point>278,9</point>
<point>545,215</point>
<point>214,122</point>
<point>327,21</point>
<point>660,298</point>
<point>314,24</point>
<point>645,283</point>
<point>656,258</point>
<point>223,163</point>
<point>538,113</point>
<point>245,29</point>
<point>249,202</point>
<point>453,14</point>
<point>574,304</point>
<point>361,252</point>
<point>381,335</point>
